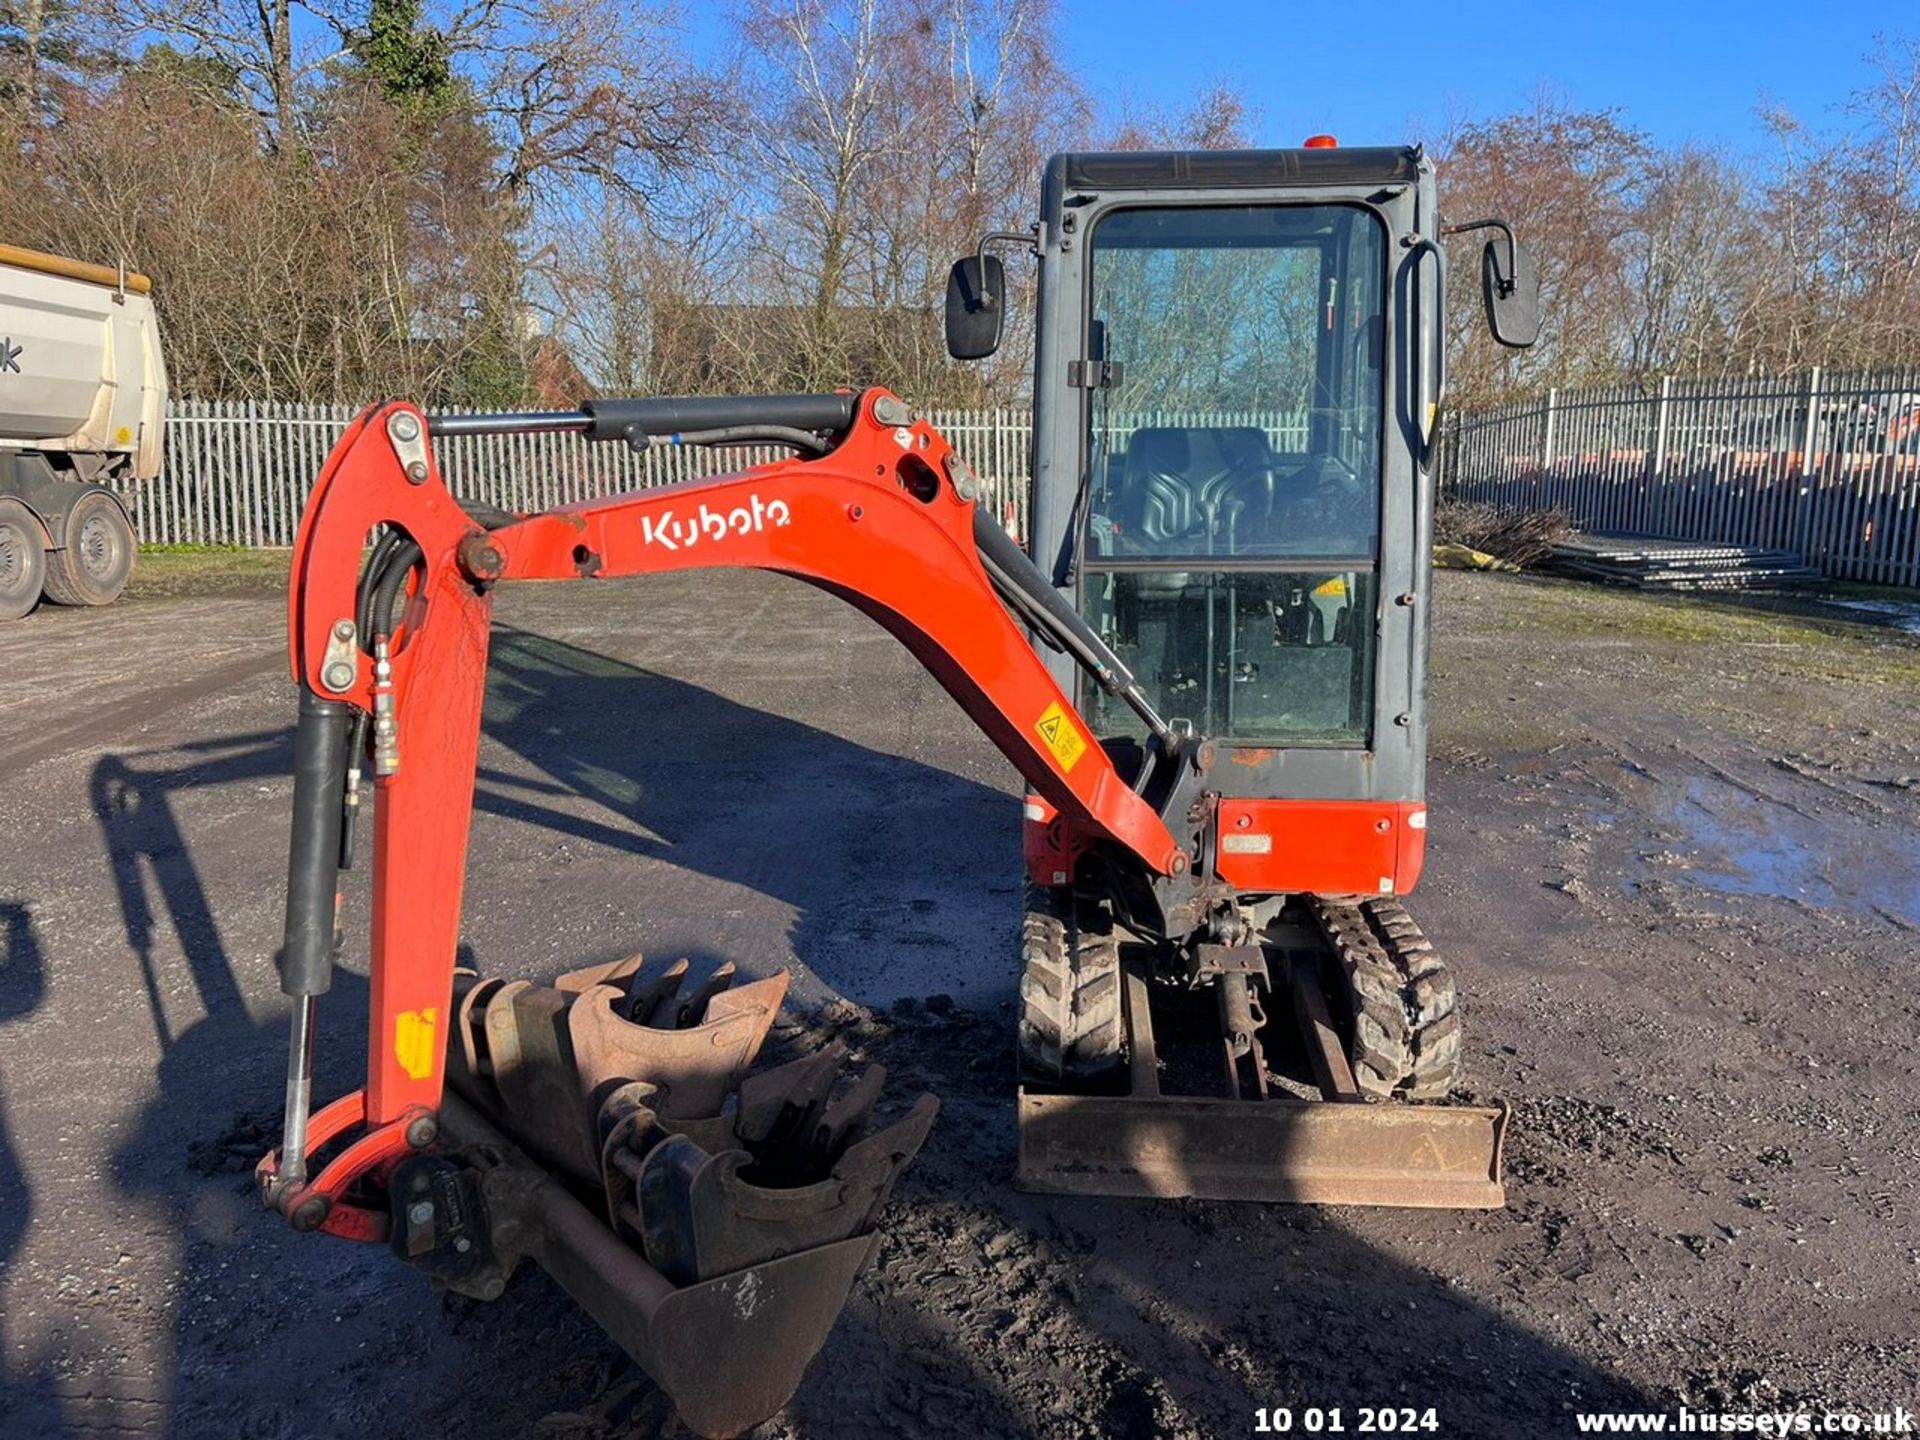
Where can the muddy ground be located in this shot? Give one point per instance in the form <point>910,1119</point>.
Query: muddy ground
<point>1672,858</point>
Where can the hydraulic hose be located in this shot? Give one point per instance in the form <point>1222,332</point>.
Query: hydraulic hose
<point>387,585</point>
<point>1015,576</point>
<point>804,440</point>
<point>383,548</point>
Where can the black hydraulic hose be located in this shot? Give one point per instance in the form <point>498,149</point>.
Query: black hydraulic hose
<point>1037,619</point>
<point>350,806</point>
<point>623,419</point>
<point>313,856</point>
<point>1147,757</point>
<point>383,548</point>
<point>805,440</point>
<point>1010,569</point>
<point>487,517</point>
<point>387,585</point>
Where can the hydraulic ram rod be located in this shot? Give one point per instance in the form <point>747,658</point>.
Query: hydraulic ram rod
<point>313,899</point>
<point>637,419</point>
<point>526,422</point>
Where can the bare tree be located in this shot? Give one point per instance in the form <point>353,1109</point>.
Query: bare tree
<point>886,135</point>
<point>1217,118</point>
<point>1570,180</point>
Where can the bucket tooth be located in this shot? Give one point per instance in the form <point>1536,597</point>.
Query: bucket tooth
<point>702,1217</point>
<point>647,994</point>
<point>693,1007</point>
<point>617,973</point>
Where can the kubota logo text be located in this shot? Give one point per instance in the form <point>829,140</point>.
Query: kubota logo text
<point>709,524</point>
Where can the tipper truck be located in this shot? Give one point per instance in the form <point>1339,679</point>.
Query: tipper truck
<point>83,398</point>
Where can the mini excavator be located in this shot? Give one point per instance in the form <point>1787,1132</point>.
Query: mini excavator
<point>1208,664</point>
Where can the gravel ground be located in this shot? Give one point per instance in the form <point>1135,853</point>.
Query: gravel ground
<point>1672,862</point>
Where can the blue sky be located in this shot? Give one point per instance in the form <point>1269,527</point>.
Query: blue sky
<point>1681,70</point>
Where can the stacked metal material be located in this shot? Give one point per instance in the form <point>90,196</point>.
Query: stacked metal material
<point>1647,563</point>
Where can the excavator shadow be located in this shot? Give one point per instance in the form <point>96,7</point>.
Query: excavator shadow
<point>188,1159</point>
<point>776,841</point>
<point>1066,1313</point>
<point>23,986</point>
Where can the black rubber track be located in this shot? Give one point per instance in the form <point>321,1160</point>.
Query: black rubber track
<point>1070,1026</point>
<point>1404,1040</point>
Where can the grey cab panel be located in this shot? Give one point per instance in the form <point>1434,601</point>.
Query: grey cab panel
<point>1232,384</point>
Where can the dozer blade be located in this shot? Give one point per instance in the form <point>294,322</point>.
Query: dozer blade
<point>1314,1152</point>
<point>1339,1150</point>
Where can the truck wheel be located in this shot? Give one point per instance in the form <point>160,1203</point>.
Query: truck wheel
<point>23,563</point>
<point>98,560</point>
<point>1070,1029</point>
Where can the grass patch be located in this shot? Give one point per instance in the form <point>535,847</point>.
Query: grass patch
<point>1834,646</point>
<point>172,570</point>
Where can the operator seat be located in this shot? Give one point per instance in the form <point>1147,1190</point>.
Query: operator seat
<point>1177,476</point>
<point>1157,512</point>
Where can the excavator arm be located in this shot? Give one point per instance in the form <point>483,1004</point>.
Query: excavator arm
<point>389,621</point>
<point>885,519</point>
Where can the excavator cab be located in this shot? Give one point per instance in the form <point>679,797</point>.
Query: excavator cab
<point>1238,366</point>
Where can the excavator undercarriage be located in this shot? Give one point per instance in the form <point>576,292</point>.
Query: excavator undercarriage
<point>1248,1107</point>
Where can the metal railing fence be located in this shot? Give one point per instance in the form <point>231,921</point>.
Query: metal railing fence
<point>237,472</point>
<point>1826,466</point>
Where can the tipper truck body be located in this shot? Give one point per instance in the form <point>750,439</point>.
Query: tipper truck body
<point>83,395</point>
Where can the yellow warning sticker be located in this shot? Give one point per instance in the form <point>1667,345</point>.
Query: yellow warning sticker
<point>413,1041</point>
<point>1061,736</point>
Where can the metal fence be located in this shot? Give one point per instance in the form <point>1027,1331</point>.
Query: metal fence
<point>237,473</point>
<point>1826,466</point>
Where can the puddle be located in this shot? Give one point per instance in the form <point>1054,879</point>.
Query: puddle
<point>1901,615</point>
<point>1730,842</point>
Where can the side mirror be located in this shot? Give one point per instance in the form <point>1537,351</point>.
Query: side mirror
<point>976,306</point>
<point>1510,285</point>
